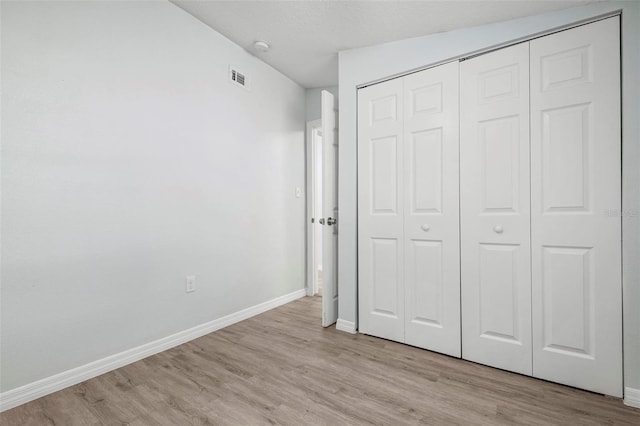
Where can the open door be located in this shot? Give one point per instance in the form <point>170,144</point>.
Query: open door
<point>329,209</point>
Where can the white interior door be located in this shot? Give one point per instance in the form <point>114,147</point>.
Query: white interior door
<point>576,193</point>
<point>329,209</point>
<point>431,215</point>
<point>494,209</point>
<point>317,207</point>
<point>380,210</point>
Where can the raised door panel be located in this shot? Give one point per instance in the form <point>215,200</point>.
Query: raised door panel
<point>431,210</point>
<point>426,278</point>
<point>499,141</point>
<point>384,108</point>
<point>576,251</point>
<point>425,154</point>
<point>384,274</point>
<point>567,306</point>
<point>494,209</point>
<point>383,167</point>
<point>381,210</point>
<point>565,158</point>
<point>498,304</point>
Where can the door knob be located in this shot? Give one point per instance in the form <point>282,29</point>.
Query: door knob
<point>425,227</point>
<point>321,221</point>
<point>498,229</point>
<point>331,221</point>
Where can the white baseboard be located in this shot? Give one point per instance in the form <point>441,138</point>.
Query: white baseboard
<point>346,326</point>
<point>632,397</point>
<point>40,388</point>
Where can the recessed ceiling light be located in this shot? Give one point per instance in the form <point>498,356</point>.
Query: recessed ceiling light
<point>261,46</point>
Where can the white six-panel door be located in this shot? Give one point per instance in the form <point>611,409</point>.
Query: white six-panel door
<point>575,197</point>
<point>431,225</point>
<point>381,210</point>
<point>329,113</point>
<point>494,209</point>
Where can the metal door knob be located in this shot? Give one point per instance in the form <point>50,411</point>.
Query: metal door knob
<point>331,221</point>
<point>425,227</point>
<point>321,221</point>
<point>498,229</point>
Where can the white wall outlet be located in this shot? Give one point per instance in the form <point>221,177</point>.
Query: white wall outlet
<point>298,192</point>
<point>190,284</point>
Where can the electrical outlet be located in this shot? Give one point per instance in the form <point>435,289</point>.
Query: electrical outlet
<point>190,284</point>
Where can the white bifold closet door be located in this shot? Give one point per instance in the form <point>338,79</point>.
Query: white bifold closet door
<point>575,205</point>
<point>532,252</point>
<point>408,241</point>
<point>494,209</point>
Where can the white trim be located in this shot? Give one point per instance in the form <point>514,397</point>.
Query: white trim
<point>632,397</point>
<point>40,388</point>
<point>346,326</point>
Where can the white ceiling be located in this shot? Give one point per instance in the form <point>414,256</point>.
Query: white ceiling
<point>305,36</point>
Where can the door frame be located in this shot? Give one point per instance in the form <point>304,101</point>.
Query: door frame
<point>313,125</point>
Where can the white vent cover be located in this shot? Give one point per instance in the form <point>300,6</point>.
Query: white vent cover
<point>238,78</point>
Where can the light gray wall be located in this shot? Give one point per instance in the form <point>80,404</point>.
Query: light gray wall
<point>361,66</point>
<point>313,101</point>
<point>128,162</point>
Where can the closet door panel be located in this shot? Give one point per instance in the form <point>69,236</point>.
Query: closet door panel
<point>494,209</point>
<point>576,193</point>
<point>431,213</point>
<point>381,210</point>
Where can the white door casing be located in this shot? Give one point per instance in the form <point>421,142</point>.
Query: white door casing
<point>329,111</point>
<point>576,200</point>
<point>431,221</point>
<point>313,231</point>
<point>494,209</point>
<point>380,210</point>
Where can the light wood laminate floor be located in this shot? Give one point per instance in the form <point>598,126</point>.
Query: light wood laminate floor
<point>282,367</point>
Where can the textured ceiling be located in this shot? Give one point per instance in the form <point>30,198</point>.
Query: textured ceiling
<point>305,36</point>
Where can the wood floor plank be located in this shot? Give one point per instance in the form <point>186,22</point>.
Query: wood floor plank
<point>283,368</point>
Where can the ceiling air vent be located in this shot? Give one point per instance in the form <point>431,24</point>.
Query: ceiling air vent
<point>238,78</point>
